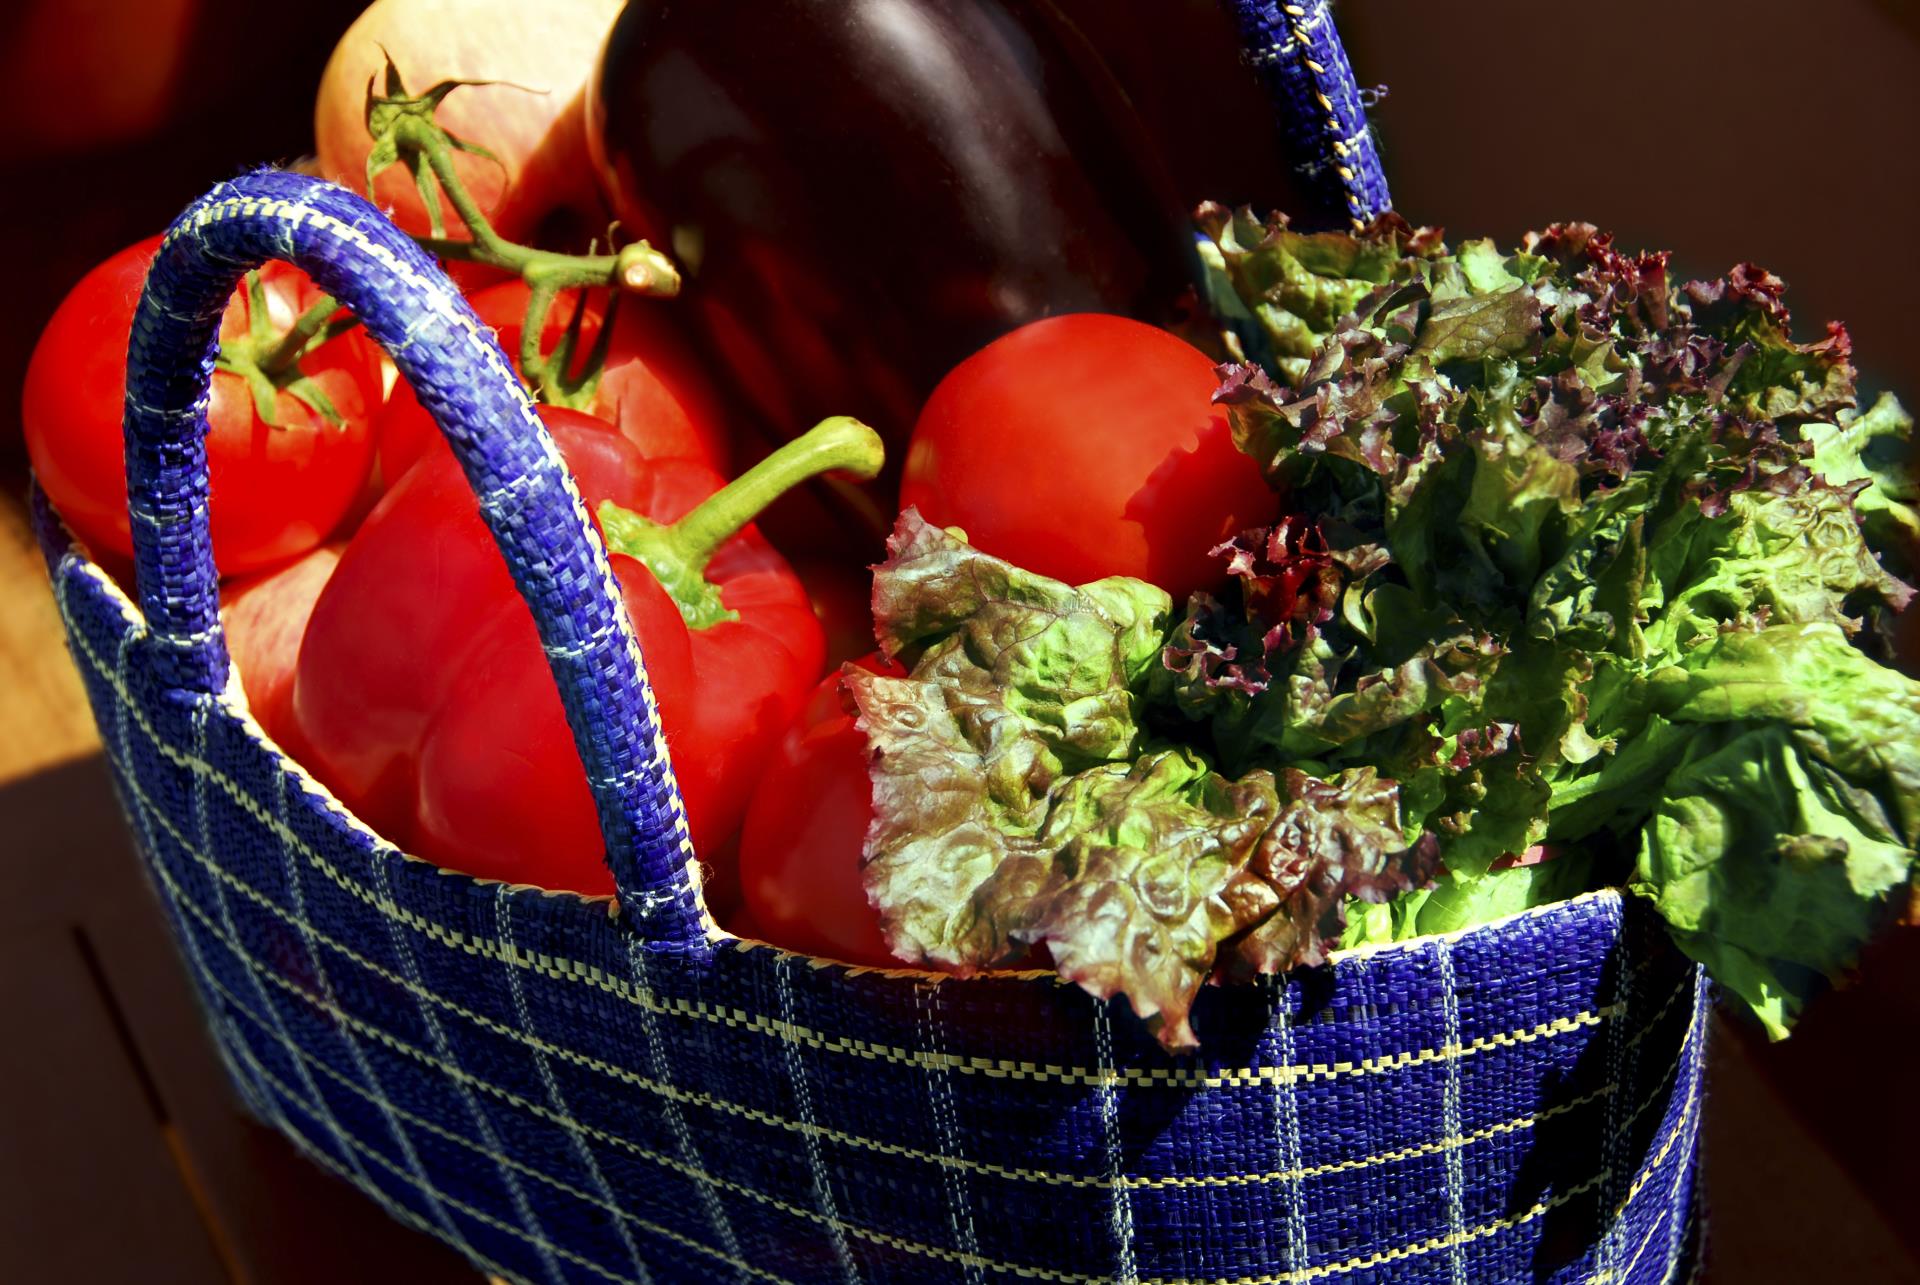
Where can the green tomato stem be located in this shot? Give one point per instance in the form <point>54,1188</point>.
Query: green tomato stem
<point>269,364</point>
<point>533,362</point>
<point>678,554</point>
<point>637,268</point>
<point>313,328</point>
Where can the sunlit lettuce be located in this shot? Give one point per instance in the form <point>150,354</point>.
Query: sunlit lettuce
<point>1576,561</point>
<point>1628,489</point>
<point>1022,800</point>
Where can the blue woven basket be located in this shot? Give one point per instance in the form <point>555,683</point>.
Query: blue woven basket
<point>570,1090</point>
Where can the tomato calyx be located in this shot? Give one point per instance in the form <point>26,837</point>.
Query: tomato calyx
<point>677,553</point>
<point>405,132</point>
<point>269,362</point>
<point>386,114</point>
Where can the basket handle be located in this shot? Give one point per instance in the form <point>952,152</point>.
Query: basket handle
<point>527,497</point>
<point>1297,51</point>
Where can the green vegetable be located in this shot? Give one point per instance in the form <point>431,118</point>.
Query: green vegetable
<point>1668,523</point>
<point>1020,797</point>
<point>1573,555</point>
<point>1452,903</point>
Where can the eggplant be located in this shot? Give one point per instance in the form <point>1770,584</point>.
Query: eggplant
<point>862,193</point>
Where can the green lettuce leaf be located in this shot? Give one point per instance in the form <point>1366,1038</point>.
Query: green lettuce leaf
<point>1299,285</point>
<point>1021,801</point>
<point>1570,554</point>
<point>1765,870</point>
<point>1786,833</point>
<point>1661,523</point>
<point>1453,902</point>
<point>1876,448</point>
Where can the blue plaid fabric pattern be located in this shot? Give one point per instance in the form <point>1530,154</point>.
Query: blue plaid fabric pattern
<point>569,1089</point>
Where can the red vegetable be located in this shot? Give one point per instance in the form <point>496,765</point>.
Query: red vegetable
<point>426,701</point>
<point>265,617</point>
<point>800,847</point>
<point>1087,446</point>
<point>842,597</point>
<point>650,387</point>
<point>280,480</point>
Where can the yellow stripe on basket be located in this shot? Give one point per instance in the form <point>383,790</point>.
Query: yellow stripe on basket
<point>1694,1029</point>
<point>480,1215</point>
<point>692,1097</point>
<point>585,1197</point>
<point>394,1209</point>
<point>690,1171</point>
<point>871,1235</point>
<point>386,1038</point>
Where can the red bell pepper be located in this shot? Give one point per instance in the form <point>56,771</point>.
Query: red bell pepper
<point>800,846</point>
<point>424,698</point>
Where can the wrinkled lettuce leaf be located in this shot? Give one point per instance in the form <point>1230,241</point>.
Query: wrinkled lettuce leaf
<point>1876,448</point>
<point>1020,800</point>
<point>1597,481</point>
<point>1764,868</point>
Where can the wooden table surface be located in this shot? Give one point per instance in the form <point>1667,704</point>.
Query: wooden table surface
<point>125,1158</point>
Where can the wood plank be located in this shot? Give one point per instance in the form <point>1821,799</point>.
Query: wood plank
<point>44,719</point>
<point>89,1191</point>
<point>260,1213</point>
<point>283,1220</point>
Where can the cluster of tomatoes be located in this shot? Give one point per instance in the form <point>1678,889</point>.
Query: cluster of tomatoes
<point>378,636</point>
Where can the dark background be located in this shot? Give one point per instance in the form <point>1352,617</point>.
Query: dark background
<point>1773,131</point>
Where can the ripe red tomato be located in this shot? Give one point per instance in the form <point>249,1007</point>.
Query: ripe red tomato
<point>651,388</point>
<point>1086,446</point>
<point>800,879</point>
<point>277,490</point>
<point>532,121</point>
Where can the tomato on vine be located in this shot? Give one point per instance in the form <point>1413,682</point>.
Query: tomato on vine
<point>636,373</point>
<point>520,70</point>
<point>289,441</point>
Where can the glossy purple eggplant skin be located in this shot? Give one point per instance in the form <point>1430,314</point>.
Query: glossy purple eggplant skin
<point>863,193</point>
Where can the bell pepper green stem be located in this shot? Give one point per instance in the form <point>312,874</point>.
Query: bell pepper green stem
<point>838,445</point>
<point>678,554</point>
